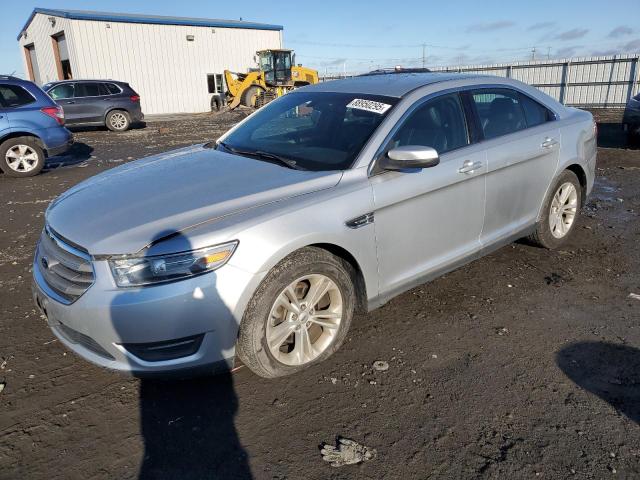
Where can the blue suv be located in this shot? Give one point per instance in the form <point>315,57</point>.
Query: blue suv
<point>31,128</point>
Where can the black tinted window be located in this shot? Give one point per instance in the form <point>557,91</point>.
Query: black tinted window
<point>112,88</point>
<point>14,96</point>
<point>439,124</point>
<point>62,91</point>
<point>87,90</point>
<point>500,111</point>
<point>534,113</point>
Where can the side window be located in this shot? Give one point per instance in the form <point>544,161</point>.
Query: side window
<point>439,123</point>
<point>534,113</point>
<point>62,91</point>
<point>87,90</point>
<point>112,88</point>
<point>499,110</point>
<point>13,96</point>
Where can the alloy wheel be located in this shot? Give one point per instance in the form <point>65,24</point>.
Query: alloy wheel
<point>118,121</point>
<point>564,208</point>
<point>21,158</point>
<point>304,319</point>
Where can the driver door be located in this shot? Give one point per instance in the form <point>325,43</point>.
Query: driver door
<point>428,221</point>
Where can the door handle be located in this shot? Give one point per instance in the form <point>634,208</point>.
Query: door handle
<point>469,167</point>
<point>549,143</point>
<point>69,103</point>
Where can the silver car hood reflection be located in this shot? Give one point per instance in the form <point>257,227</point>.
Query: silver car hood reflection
<point>123,210</point>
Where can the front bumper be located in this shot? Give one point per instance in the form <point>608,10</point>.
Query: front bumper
<point>99,324</point>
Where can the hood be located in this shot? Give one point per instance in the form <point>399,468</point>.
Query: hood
<point>123,210</point>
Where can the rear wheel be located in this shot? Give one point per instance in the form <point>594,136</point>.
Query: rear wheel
<point>560,212</point>
<point>299,315</point>
<point>118,121</point>
<point>21,157</point>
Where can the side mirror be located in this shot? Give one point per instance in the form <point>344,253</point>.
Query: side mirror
<point>409,156</point>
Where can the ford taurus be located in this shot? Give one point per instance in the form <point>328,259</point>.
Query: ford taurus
<point>329,200</point>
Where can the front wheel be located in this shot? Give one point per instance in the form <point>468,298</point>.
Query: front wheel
<point>560,212</point>
<point>299,315</point>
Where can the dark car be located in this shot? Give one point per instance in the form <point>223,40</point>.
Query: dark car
<point>31,127</point>
<point>97,102</point>
<point>632,119</point>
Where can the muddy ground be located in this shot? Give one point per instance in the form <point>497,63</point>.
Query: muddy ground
<point>524,364</point>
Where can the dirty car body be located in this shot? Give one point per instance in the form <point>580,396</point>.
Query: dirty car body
<point>250,201</point>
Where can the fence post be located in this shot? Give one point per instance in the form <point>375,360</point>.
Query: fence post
<point>632,80</point>
<point>563,82</point>
<point>509,71</point>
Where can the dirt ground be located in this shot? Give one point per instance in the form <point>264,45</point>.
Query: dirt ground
<point>524,364</point>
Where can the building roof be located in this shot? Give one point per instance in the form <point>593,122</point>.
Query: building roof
<point>388,84</point>
<point>149,19</point>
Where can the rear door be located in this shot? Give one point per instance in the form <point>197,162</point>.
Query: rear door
<point>522,144</point>
<point>90,102</point>
<point>4,113</point>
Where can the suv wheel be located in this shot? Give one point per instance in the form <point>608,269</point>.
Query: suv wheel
<point>299,315</point>
<point>118,121</point>
<point>560,212</point>
<point>21,157</point>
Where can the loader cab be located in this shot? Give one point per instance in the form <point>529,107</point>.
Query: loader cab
<point>276,65</point>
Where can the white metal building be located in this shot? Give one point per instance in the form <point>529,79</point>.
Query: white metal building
<point>174,63</point>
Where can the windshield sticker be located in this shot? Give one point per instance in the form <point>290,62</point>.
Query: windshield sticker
<point>369,105</point>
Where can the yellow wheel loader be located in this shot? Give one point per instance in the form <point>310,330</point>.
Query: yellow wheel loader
<point>277,74</point>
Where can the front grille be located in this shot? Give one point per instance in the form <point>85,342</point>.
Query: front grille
<point>66,269</point>
<point>80,338</point>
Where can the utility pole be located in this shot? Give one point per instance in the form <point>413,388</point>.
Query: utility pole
<point>424,57</point>
<point>533,53</point>
<point>548,53</point>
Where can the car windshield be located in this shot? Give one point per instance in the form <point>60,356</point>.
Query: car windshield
<point>311,130</point>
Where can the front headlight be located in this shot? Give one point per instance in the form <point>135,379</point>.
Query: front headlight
<point>138,271</point>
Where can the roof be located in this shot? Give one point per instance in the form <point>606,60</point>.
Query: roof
<point>149,19</point>
<point>389,84</point>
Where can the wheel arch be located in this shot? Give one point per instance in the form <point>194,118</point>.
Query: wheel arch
<point>17,134</point>
<point>582,178</point>
<point>111,109</point>
<point>359,281</point>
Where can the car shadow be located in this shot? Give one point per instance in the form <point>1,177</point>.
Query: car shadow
<point>186,421</point>
<point>78,152</point>
<point>610,371</point>
<point>102,128</point>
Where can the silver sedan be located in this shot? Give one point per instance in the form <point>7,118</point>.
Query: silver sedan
<point>330,200</point>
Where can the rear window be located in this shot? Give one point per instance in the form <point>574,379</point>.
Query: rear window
<point>534,113</point>
<point>112,88</point>
<point>12,96</point>
<point>87,90</point>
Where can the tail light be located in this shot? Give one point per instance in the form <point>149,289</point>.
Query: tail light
<point>134,98</point>
<point>54,112</point>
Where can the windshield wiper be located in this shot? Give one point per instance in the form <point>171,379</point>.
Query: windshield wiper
<point>287,162</point>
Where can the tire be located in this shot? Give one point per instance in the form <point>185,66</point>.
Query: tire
<point>250,96</point>
<point>28,157</point>
<point>552,237</point>
<point>633,136</point>
<point>118,121</point>
<point>216,104</point>
<point>259,322</point>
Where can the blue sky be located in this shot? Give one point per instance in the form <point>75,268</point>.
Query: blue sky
<point>360,35</point>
